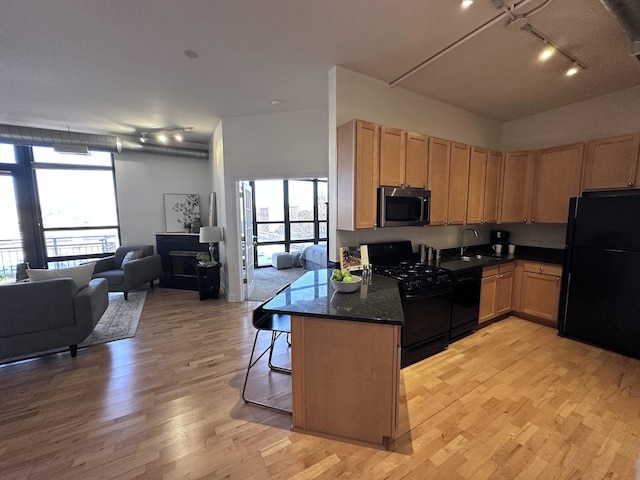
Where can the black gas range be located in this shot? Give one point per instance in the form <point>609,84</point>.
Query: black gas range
<point>426,294</point>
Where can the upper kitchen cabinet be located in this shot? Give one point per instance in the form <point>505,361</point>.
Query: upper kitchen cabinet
<point>515,199</point>
<point>447,178</point>
<point>357,173</point>
<point>393,144</point>
<point>557,176</point>
<point>612,163</point>
<point>484,178</point>
<point>403,158</point>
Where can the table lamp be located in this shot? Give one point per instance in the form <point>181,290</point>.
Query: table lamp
<point>211,235</point>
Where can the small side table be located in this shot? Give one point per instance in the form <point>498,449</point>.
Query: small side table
<point>208,281</point>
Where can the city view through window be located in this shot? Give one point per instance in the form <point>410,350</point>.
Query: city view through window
<point>289,216</point>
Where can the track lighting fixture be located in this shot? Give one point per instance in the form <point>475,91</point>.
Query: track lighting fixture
<point>466,4</point>
<point>546,53</point>
<point>575,68</point>
<point>163,134</point>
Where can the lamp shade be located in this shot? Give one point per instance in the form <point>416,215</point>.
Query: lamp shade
<point>210,234</point>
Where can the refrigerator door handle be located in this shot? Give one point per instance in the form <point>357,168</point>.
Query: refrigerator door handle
<point>566,304</point>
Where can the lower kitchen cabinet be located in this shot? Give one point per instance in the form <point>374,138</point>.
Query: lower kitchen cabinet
<point>541,290</point>
<point>496,291</point>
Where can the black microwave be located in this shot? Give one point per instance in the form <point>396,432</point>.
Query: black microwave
<point>401,207</point>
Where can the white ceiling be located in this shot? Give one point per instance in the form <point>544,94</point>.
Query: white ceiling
<point>118,66</point>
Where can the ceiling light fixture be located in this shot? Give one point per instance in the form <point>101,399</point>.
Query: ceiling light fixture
<point>275,102</point>
<point>575,68</point>
<point>466,4</point>
<point>163,134</point>
<point>576,63</point>
<point>546,54</point>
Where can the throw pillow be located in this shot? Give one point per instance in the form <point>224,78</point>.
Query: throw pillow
<point>81,275</point>
<point>132,255</point>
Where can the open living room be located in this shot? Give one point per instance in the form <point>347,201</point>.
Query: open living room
<point>338,239</point>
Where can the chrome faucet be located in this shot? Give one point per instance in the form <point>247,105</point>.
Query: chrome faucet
<point>462,247</point>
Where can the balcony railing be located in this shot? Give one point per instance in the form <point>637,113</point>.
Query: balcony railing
<point>11,251</point>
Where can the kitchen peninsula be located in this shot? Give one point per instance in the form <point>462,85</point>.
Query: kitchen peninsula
<point>345,357</point>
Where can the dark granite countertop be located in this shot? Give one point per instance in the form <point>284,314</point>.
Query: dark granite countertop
<point>312,295</point>
<point>450,259</point>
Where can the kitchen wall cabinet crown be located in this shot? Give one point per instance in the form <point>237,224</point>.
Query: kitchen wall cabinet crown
<point>357,171</point>
<point>612,163</point>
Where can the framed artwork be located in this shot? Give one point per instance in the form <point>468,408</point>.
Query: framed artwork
<point>180,210</point>
<point>353,258</point>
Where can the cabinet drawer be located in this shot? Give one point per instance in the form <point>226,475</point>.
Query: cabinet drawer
<point>490,271</point>
<point>543,268</point>
<point>507,267</point>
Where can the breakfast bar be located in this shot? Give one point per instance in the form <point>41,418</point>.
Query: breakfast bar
<point>345,357</point>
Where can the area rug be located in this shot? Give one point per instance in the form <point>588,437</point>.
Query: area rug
<point>267,281</point>
<point>119,321</point>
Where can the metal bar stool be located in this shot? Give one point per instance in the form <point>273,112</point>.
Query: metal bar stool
<point>276,324</point>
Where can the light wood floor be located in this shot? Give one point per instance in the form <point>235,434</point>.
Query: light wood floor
<point>514,400</point>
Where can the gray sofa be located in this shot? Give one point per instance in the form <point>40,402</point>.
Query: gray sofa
<point>39,316</point>
<point>134,274</point>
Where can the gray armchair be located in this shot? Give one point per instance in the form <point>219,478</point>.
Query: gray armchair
<point>131,275</point>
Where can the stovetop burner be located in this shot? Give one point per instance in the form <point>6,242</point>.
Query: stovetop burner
<point>414,276</point>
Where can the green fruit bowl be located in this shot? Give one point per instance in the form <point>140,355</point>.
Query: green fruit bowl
<point>347,287</point>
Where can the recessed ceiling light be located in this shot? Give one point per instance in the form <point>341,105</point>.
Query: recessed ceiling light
<point>191,53</point>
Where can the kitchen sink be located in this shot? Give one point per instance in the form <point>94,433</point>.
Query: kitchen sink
<point>466,258</point>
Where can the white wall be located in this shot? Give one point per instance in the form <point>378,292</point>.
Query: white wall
<point>142,179</point>
<point>279,145</point>
<point>609,115</point>
<point>352,95</point>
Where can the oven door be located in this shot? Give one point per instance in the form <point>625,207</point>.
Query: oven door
<point>427,314</point>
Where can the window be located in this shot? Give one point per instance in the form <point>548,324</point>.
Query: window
<point>65,210</point>
<point>289,216</point>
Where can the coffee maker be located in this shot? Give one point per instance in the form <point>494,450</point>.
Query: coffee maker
<point>500,237</point>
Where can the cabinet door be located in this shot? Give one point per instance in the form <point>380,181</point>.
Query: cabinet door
<point>458,184</point>
<point>541,295</point>
<point>477,182</point>
<point>438,179</point>
<point>612,163</point>
<point>357,175</point>
<point>515,198</point>
<point>392,153</point>
<point>416,160</point>
<point>488,288</point>
<point>504,292</point>
<point>492,185</point>
<point>557,178</point>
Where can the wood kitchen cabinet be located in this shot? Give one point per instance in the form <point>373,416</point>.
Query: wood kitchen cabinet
<point>403,158</point>
<point>447,178</point>
<point>484,179</point>
<point>515,195</point>
<point>557,178</point>
<point>612,163</point>
<point>541,290</point>
<point>357,173</point>
<point>496,291</point>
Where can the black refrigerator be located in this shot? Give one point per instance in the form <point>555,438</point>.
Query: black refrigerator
<point>600,295</point>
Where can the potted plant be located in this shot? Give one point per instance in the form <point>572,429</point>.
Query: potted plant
<point>203,257</point>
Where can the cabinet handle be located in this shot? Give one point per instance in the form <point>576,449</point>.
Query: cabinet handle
<point>525,220</point>
<point>630,184</point>
<point>408,184</point>
<point>557,279</point>
<point>541,268</point>
<point>533,220</point>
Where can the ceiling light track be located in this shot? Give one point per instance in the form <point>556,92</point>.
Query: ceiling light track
<point>459,42</point>
<point>163,134</point>
<point>527,27</point>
